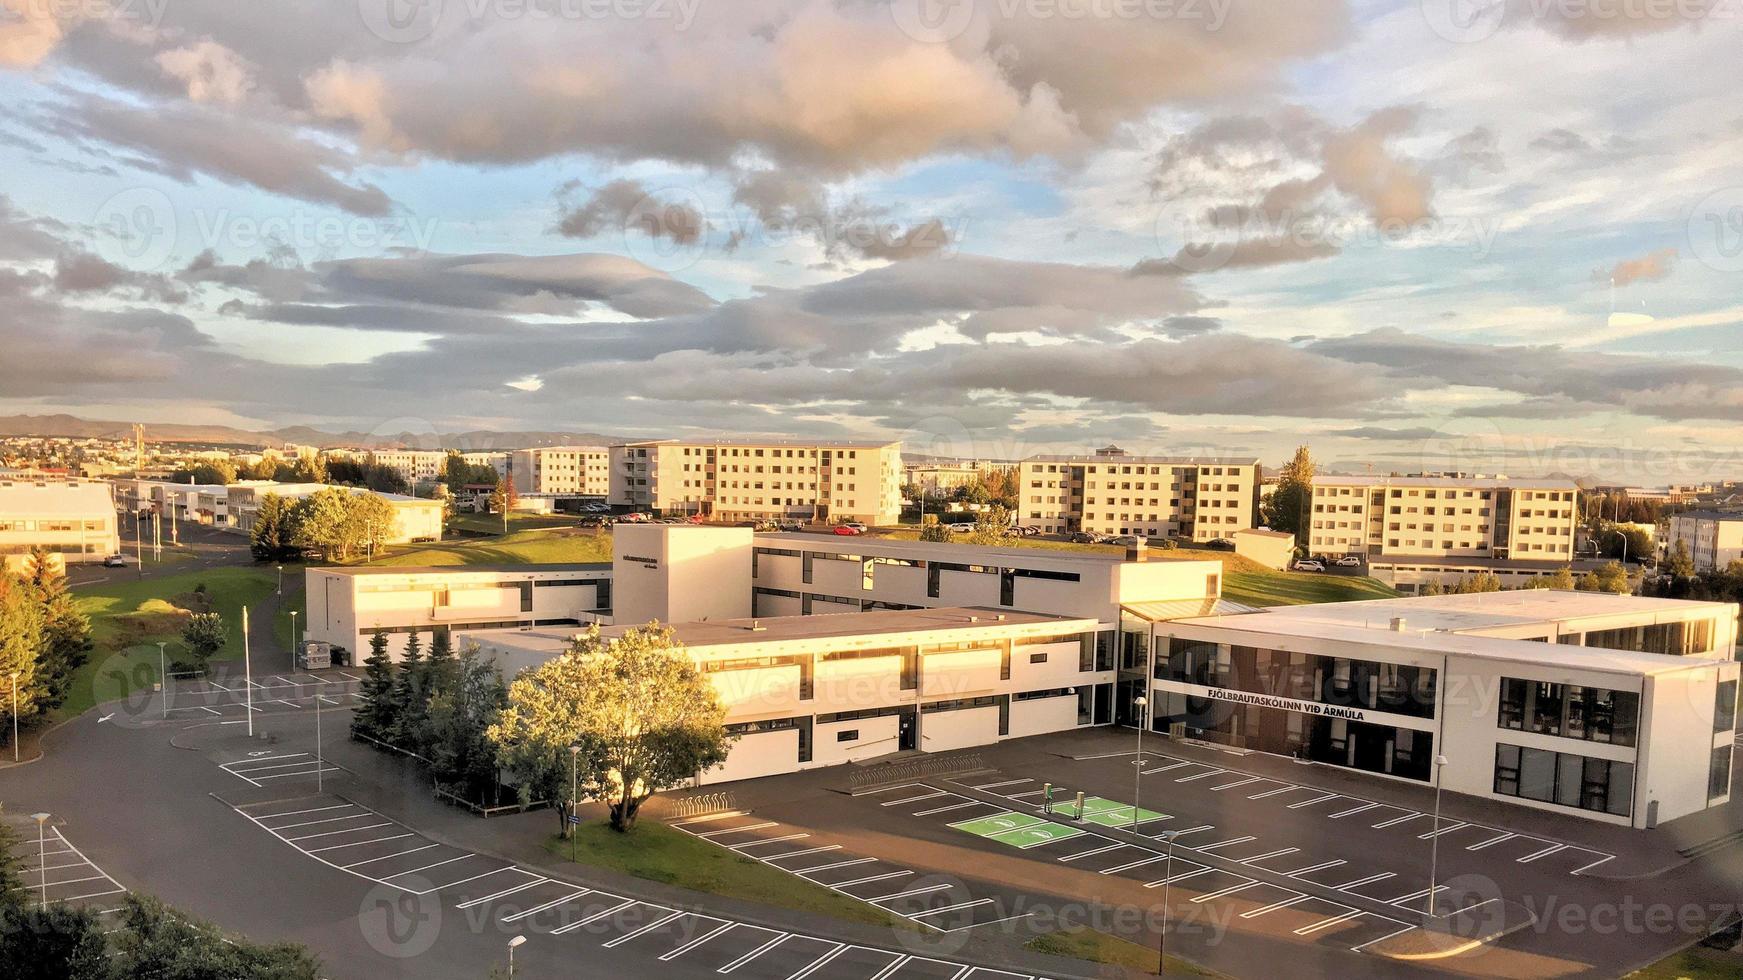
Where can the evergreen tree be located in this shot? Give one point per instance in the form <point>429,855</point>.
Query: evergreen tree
<point>1287,507</point>
<point>1680,564</point>
<point>374,717</point>
<point>66,632</point>
<point>270,539</point>
<point>410,695</point>
<point>21,644</point>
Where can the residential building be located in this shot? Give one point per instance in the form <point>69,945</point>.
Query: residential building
<point>583,471</point>
<point>496,461</point>
<point>1713,538</point>
<point>1113,492</point>
<point>749,479</point>
<point>1414,530</point>
<point>346,604</point>
<point>416,466</point>
<point>74,519</point>
<point>1273,549</point>
<point>941,478</point>
<point>1619,709</point>
<point>415,518</point>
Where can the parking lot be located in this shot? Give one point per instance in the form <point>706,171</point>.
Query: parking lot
<point>232,697</point>
<point>54,870</point>
<point>359,841</point>
<point>262,766</point>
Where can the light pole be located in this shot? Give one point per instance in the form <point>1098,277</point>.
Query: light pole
<point>1140,702</point>
<point>247,675</point>
<point>512,943</point>
<point>42,853</point>
<point>320,762</point>
<point>163,677</point>
<point>15,717</point>
<point>280,580</point>
<point>574,794</point>
<point>293,615</point>
<point>1167,879</point>
<point>1434,839</point>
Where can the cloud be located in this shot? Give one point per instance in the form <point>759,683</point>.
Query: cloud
<point>623,206</point>
<point>1417,434</point>
<point>1650,267</point>
<point>928,238</point>
<point>212,72</point>
<point>1188,326</point>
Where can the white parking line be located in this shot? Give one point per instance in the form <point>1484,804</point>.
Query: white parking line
<point>1191,830</point>
<point>753,954</point>
<point>1389,935</point>
<point>1116,845</point>
<point>1277,853</point>
<point>1177,765</point>
<point>953,806</point>
<point>1007,782</point>
<point>602,913</point>
<point>699,940</point>
<point>862,881</point>
<point>347,830</point>
<point>1364,808</point>
<point>1274,792</point>
<point>838,864</point>
<point>1136,864</point>
<point>1583,869</point>
<point>358,864</point>
<point>1317,799</point>
<point>305,772</point>
<point>1219,893</point>
<point>735,830</point>
<point>769,840</point>
<point>1315,867</point>
<point>1274,906</point>
<point>913,799</point>
<point>502,894</point>
<point>1158,883</point>
<point>1225,843</point>
<point>1238,782</point>
<point>1018,796</point>
<point>1395,820</point>
<point>1328,923</point>
<point>535,910</point>
<point>912,891</point>
<point>808,850</point>
<point>952,908</point>
<point>1419,893</point>
<point>335,847</point>
<point>1382,876</point>
<point>650,927</point>
<point>311,823</point>
<point>1492,840</point>
<point>1543,853</point>
<point>1201,775</point>
<point>1443,830</point>
<point>427,867</point>
<point>709,817</point>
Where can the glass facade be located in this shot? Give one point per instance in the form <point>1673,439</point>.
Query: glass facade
<point>1564,779</point>
<point>1337,681</point>
<point>1569,711</point>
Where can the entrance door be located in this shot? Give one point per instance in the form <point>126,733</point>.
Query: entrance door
<point>1126,711</point>
<point>907,734</point>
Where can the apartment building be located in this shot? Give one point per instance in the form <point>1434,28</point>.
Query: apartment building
<point>415,518</point>
<point>1417,530</point>
<point>939,478</point>
<point>1618,709</point>
<point>74,519</point>
<point>731,480</point>
<point>1713,538</point>
<point>416,466</point>
<point>496,461</point>
<point>346,605</point>
<point>1112,492</point>
<point>567,470</point>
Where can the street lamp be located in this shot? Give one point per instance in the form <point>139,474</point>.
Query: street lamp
<point>1140,702</point>
<point>1434,839</point>
<point>512,944</point>
<point>280,579</point>
<point>1167,879</point>
<point>42,853</point>
<point>163,677</point>
<point>293,616</point>
<point>574,794</point>
<point>15,717</point>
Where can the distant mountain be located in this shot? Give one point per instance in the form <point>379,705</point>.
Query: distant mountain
<point>68,426</point>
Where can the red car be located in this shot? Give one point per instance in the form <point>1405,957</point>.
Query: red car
<point>847,529</point>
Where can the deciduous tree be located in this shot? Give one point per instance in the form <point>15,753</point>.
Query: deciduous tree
<point>204,636</point>
<point>1287,507</point>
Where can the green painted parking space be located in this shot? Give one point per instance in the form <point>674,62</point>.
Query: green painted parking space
<point>1036,835</point>
<point>1119,816</point>
<point>998,823</point>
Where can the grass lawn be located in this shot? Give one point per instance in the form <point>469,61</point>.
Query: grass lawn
<point>128,618</point>
<point>1694,963</point>
<point>1099,947</point>
<point>1269,588</point>
<point>545,547</point>
<point>492,523</point>
<point>659,853</point>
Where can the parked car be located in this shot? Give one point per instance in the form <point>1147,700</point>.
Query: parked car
<point>1221,544</point>
<point>857,526</point>
<point>849,529</point>
<point>791,526</point>
<point>1309,565</point>
<point>115,561</point>
<point>1086,537</point>
<point>596,520</point>
<point>962,527</point>
<point>1349,561</point>
<point>1027,530</point>
<point>1130,541</point>
<point>634,518</point>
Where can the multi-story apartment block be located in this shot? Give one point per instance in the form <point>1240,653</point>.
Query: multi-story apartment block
<point>496,461</point>
<point>945,477</point>
<point>580,470</point>
<point>417,466</point>
<point>72,518</point>
<point>1713,538</point>
<point>1444,517</point>
<point>752,479</point>
<point>1110,492</point>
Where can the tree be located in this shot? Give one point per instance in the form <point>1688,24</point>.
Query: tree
<point>218,472</point>
<point>410,695</point>
<point>154,940</point>
<point>309,469</point>
<point>272,537</point>
<point>1680,564</point>
<point>461,711</point>
<point>20,647</point>
<point>991,526</point>
<point>66,632</point>
<point>1562,579</point>
<point>1473,584</point>
<point>204,636</point>
<point>374,717</point>
<point>321,521</point>
<point>1612,577</point>
<point>53,942</point>
<point>934,531</point>
<point>644,718</point>
<point>369,522</point>
<point>1288,506</point>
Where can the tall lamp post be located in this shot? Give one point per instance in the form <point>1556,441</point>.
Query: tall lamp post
<point>42,853</point>
<point>1434,839</point>
<point>512,945</point>
<point>1140,702</point>
<point>280,580</point>
<point>163,677</point>
<point>15,717</point>
<point>1167,879</point>
<point>574,794</point>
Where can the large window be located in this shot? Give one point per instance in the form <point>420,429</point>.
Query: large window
<point>1403,689</point>
<point>1719,773</point>
<point>1593,714</point>
<point>1564,779</point>
<point>1673,639</point>
<point>1725,707</point>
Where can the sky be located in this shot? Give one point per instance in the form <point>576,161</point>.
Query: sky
<point>1486,235</point>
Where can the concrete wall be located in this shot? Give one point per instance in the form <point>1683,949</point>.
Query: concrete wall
<point>680,573</point>
<point>942,731</point>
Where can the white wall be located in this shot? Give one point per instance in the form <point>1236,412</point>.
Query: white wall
<point>1042,716</point>
<point>760,754</point>
<point>941,731</point>
<point>877,736</point>
<point>680,573</point>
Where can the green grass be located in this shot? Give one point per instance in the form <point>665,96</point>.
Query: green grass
<point>1694,963</point>
<point>1099,947</point>
<point>659,853</point>
<point>492,523</point>
<point>546,547</point>
<point>1268,588</point>
<point>128,618</point>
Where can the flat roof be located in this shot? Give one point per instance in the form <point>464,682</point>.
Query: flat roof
<point>783,441</point>
<point>777,629</point>
<point>1481,562</point>
<point>1709,515</point>
<point>1487,610</point>
<point>590,566</point>
<point>1474,482</point>
<point>1481,647</point>
<point>932,550</point>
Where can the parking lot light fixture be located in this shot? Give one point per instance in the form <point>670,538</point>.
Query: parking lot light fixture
<point>512,945</point>
<point>15,717</point>
<point>1167,878</point>
<point>1434,838</point>
<point>574,794</point>
<point>1140,702</point>
<point>42,853</point>
<point>163,677</point>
